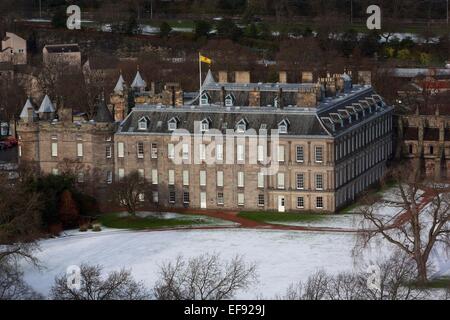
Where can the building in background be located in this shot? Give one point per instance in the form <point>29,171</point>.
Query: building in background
<point>14,49</point>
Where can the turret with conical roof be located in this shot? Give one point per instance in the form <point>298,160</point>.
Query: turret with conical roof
<point>102,114</point>
<point>138,83</point>
<point>120,85</point>
<point>46,110</point>
<point>28,114</point>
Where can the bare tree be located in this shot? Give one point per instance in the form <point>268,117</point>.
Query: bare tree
<point>130,191</point>
<point>205,277</point>
<point>118,285</point>
<point>12,285</point>
<point>419,229</point>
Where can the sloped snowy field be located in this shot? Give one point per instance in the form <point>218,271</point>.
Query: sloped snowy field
<point>282,257</point>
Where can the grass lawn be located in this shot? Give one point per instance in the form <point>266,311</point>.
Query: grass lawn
<point>274,217</point>
<point>440,283</point>
<point>115,220</point>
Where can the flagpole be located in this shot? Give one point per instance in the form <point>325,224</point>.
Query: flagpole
<point>200,77</point>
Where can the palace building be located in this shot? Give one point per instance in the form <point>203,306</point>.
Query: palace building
<point>333,139</point>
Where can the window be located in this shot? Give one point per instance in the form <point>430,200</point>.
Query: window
<point>20,150</point>
<point>155,196</point>
<point>109,177</point>
<point>172,124</point>
<point>185,151</point>
<point>108,152</point>
<point>171,177</point>
<point>121,173</point>
<point>219,152</point>
<point>319,202</point>
<point>260,155</point>
<point>229,100</point>
<point>299,154</point>
<point>172,197</point>
<point>154,176</point>
<point>280,180</point>
<point>140,150</point>
<point>280,153</point>
<point>220,178</point>
<point>204,99</point>
<point>204,125</point>
<point>141,174</point>
<point>260,180</point>
<point>120,149</point>
<point>185,178</point>
<point>142,124</point>
<point>171,151</point>
<point>55,171</point>
<point>154,151</point>
<point>54,149</point>
<point>202,178</point>
<point>241,199</point>
<point>240,152</point>
<point>80,177</point>
<point>240,179</point>
<point>283,126</point>
<point>410,149</point>
<point>79,149</point>
<point>300,202</point>
<point>431,150</point>
<point>202,152</point>
<point>319,154</point>
<point>260,200</point>
<point>319,182</point>
<point>186,197</point>
<point>241,126</point>
<point>220,198</point>
<point>300,181</point>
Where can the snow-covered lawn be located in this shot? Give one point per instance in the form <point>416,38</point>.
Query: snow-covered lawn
<point>281,257</point>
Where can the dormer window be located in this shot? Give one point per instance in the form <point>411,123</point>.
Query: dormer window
<point>172,124</point>
<point>229,100</point>
<point>205,99</point>
<point>241,126</point>
<point>283,126</point>
<point>143,123</point>
<point>204,125</point>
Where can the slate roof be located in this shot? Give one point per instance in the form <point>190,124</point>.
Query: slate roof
<point>119,85</point>
<point>24,112</point>
<point>102,113</point>
<point>46,106</point>
<point>138,82</point>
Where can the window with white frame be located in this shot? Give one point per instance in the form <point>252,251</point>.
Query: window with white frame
<point>20,150</point>
<point>172,124</point>
<point>109,177</point>
<point>120,149</point>
<point>202,178</point>
<point>185,177</point>
<point>80,177</point>
<point>154,176</point>
<point>141,174</point>
<point>280,180</point>
<point>185,151</point>
<point>186,199</point>
<point>108,152</point>
<point>219,152</point>
<point>204,100</point>
<point>318,154</point>
<point>55,171</point>
<point>171,151</point>
<point>319,181</point>
<point>54,149</point>
<point>300,202</point>
<point>241,126</point>
<point>260,180</point>
<point>121,173</point>
<point>79,150</point>
<point>319,202</point>
<point>229,100</point>
<point>171,177</point>
<point>220,178</point>
<point>143,124</point>
<point>300,181</point>
<point>202,152</point>
<point>220,198</point>
<point>261,201</point>
<point>300,156</point>
<point>154,151</point>
<point>240,152</point>
<point>281,151</point>
<point>260,154</point>
<point>140,150</point>
<point>172,196</point>
<point>241,199</point>
<point>283,126</point>
<point>240,179</point>
<point>155,196</point>
<point>204,125</point>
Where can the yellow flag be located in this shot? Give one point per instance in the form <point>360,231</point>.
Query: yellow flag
<point>205,59</point>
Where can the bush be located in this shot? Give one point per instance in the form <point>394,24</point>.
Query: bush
<point>202,28</point>
<point>68,210</point>
<point>164,29</point>
<point>96,228</point>
<point>83,228</point>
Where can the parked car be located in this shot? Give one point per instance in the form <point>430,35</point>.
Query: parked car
<point>8,142</point>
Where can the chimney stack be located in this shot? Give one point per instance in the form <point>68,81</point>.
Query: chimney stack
<point>282,77</point>
<point>242,77</point>
<point>307,77</point>
<point>223,76</point>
